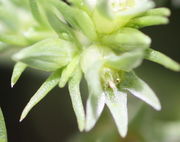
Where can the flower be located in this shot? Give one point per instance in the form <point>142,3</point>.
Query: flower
<point>101,41</point>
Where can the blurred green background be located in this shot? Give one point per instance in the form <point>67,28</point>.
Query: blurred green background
<point>53,119</point>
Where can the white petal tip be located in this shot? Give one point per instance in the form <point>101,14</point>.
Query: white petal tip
<point>12,85</point>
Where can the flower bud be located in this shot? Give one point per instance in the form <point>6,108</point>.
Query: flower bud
<point>47,55</point>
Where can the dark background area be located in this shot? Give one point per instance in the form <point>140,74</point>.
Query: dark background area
<point>53,119</point>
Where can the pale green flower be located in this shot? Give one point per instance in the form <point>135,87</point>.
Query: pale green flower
<point>97,39</point>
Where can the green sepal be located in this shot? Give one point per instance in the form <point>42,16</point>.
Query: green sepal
<point>117,104</point>
<point>74,91</point>
<point>48,55</point>
<point>125,61</point>
<point>127,39</point>
<point>79,19</point>
<point>140,89</point>
<point>68,71</point>
<point>160,58</point>
<point>17,71</point>
<point>145,21</point>
<point>45,88</point>
<point>3,133</point>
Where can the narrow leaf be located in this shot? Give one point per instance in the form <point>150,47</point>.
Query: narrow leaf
<point>79,19</point>
<point>62,29</point>
<point>17,71</point>
<point>126,61</point>
<point>75,95</point>
<point>45,88</point>
<point>3,134</point>
<point>117,104</point>
<point>145,21</point>
<point>140,89</point>
<point>162,59</point>
<point>158,11</point>
<point>68,71</point>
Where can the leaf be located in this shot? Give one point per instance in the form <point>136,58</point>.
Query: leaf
<point>127,39</point>
<point>45,88</point>
<point>68,71</point>
<point>126,61</point>
<point>117,104</point>
<point>62,29</point>
<point>158,11</point>
<point>78,19</point>
<point>76,100</point>
<point>3,134</point>
<point>162,59</point>
<point>140,89</point>
<point>17,71</point>
<point>145,21</point>
<point>48,55</point>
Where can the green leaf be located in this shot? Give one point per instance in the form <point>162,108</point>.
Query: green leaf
<point>3,134</point>
<point>117,104</point>
<point>68,71</point>
<point>62,29</point>
<point>45,88</point>
<point>17,71</point>
<point>48,55</point>
<point>158,11</point>
<point>147,21</point>
<point>140,89</point>
<point>162,59</point>
<point>75,95</point>
<point>127,39</point>
<point>125,61</point>
<point>79,19</point>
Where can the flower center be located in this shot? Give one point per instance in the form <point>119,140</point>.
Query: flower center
<point>122,5</point>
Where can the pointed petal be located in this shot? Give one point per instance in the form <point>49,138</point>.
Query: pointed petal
<point>75,95</point>
<point>140,89</point>
<point>17,71</point>
<point>117,104</point>
<point>91,63</point>
<point>96,99</point>
<point>162,59</point>
<point>45,88</point>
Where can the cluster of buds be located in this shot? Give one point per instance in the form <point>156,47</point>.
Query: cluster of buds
<point>97,39</point>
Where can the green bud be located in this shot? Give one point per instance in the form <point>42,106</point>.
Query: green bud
<point>127,39</point>
<point>47,55</point>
